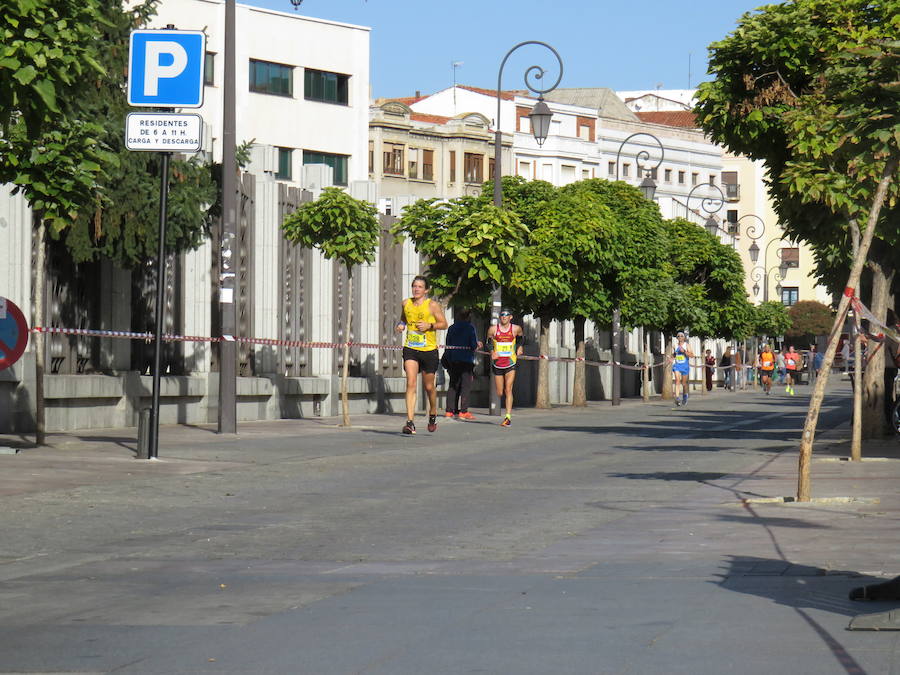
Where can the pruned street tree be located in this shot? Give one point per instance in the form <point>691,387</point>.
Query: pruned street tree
<point>343,229</point>
<point>811,88</point>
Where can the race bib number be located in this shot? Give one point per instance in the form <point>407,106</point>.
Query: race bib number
<point>505,348</point>
<point>680,358</point>
<point>415,339</point>
<point>790,362</point>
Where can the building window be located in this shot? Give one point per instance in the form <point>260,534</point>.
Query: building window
<point>393,159</point>
<point>694,178</point>
<point>667,175</point>
<point>428,165</point>
<point>681,177</point>
<point>325,87</point>
<point>585,174</point>
<point>626,168</point>
<point>473,167</point>
<point>712,179</point>
<point>586,126</point>
<point>337,162</point>
<point>523,121</point>
<point>790,257</point>
<point>371,156</point>
<point>491,168</point>
<point>730,183</point>
<point>271,78</point>
<point>731,217</point>
<point>611,169</point>
<point>285,157</point>
<point>789,296</point>
<point>525,169</point>
<point>413,163</point>
<point>209,69</point>
<point>453,166</point>
<point>654,173</point>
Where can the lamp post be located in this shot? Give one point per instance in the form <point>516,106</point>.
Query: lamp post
<point>762,272</point>
<point>540,127</point>
<point>648,188</point>
<point>710,206</point>
<point>648,185</point>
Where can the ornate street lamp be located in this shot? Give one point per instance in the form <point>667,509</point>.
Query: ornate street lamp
<point>540,128</point>
<point>710,206</point>
<point>648,185</point>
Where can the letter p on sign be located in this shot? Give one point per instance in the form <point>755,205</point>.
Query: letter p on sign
<point>165,68</point>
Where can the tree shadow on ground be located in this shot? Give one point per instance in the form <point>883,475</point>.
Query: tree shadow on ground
<point>804,588</point>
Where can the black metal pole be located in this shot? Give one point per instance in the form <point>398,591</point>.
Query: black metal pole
<point>160,304</point>
<point>227,417</point>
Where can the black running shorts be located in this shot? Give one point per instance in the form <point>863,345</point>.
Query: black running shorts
<point>428,361</point>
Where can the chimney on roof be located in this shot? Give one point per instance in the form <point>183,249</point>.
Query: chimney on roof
<point>418,94</point>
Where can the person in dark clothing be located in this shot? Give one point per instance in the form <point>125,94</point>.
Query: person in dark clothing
<point>709,362</point>
<point>460,364</point>
<point>725,363</point>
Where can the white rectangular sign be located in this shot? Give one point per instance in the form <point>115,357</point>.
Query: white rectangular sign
<point>166,132</point>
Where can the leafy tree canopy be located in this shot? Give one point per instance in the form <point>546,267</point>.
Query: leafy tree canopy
<point>343,228</point>
<point>771,319</point>
<point>810,318</point>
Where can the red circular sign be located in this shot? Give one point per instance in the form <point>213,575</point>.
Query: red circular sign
<point>13,333</point>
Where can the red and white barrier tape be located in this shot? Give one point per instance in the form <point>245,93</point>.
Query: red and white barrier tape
<point>302,344</point>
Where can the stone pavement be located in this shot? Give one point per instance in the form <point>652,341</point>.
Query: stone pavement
<point>715,574</point>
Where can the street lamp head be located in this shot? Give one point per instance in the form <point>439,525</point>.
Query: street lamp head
<point>754,252</point>
<point>711,226</point>
<point>540,121</point>
<point>778,289</point>
<point>296,3</point>
<point>648,187</point>
<point>755,289</point>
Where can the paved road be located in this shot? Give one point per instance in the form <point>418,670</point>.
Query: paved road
<point>639,539</point>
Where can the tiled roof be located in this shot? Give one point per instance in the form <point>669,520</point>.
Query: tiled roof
<point>433,119</point>
<point>670,118</point>
<point>505,95</point>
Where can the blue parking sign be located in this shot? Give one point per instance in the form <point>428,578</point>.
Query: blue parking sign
<point>165,68</point>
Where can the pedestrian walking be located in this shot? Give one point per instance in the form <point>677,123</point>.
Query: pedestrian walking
<point>506,340</point>
<point>739,369</point>
<point>818,359</point>
<point>681,368</point>
<point>792,363</point>
<point>726,363</point>
<point>460,364</point>
<point>709,368</point>
<point>421,318</point>
<point>766,368</point>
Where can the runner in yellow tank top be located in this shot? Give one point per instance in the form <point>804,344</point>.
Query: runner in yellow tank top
<point>421,318</point>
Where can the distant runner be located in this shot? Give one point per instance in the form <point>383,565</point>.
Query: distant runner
<point>681,368</point>
<point>766,368</point>
<point>506,340</point>
<point>421,318</point>
<point>792,362</point>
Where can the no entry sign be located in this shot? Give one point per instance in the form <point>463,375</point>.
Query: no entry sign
<point>13,333</point>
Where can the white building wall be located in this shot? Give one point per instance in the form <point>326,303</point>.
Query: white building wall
<point>290,39</point>
<point>15,253</point>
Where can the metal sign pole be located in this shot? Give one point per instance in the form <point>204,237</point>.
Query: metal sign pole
<point>160,304</point>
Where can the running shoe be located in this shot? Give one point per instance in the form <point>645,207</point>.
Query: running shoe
<point>432,423</point>
<point>507,421</point>
<point>466,416</point>
<point>684,399</point>
<point>678,401</point>
<point>448,414</point>
<point>409,427</point>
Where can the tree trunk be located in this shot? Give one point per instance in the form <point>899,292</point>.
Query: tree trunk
<point>667,384</point>
<point>345,374</point>
<point>579,397</point>
<point>873,392</point>
<point>645,370</point>
<point>543,384</point>
<point>815,404</point>
<point>40,344</point>
<point>856,434</point>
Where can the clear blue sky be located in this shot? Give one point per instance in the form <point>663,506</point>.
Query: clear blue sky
<point>621,44</point>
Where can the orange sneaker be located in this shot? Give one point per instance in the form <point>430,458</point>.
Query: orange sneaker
<point>448,414</point>
<point>466,416</point>
<point>507,421</point>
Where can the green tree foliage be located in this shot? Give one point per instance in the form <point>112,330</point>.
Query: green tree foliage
<point>343,228</point>
<point>810,87</point>
<point>771,319</point>
<point>469,246</point>
<point>63,134</point>
<point>712,277</point>
<point>810,318</point>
